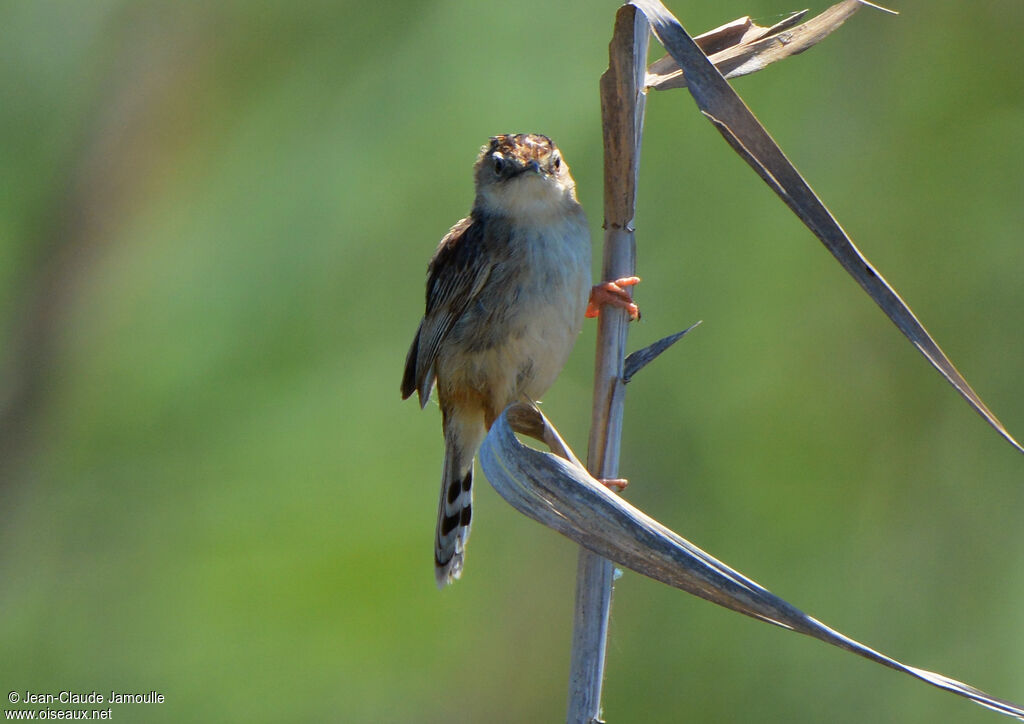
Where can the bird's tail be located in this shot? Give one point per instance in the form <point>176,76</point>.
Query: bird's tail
<point>455,507</point>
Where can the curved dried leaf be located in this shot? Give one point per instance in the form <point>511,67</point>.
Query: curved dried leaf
<point>556,490</point>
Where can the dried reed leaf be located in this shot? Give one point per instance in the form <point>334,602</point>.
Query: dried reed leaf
<point>743,47</point>
<point>643,357</point>
<point>727,112</point>
<point>556,490</point>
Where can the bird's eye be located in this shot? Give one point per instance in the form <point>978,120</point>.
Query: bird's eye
<point>557,163</point>
<point>499,165</point>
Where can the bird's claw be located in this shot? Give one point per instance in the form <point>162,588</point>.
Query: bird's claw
<point>616,485</point>
<point>614,294</point>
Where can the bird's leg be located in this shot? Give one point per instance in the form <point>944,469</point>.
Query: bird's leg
<point>614,294</point>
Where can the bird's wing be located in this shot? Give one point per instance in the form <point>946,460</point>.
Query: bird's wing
<point>457,273</point>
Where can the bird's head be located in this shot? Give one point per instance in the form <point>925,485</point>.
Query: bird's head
<point>523,174</point>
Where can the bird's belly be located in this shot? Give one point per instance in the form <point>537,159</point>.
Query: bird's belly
<point>523,360</point>
<point>514,349</point>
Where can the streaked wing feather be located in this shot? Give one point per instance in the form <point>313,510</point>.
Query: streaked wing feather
<point>454,278</point>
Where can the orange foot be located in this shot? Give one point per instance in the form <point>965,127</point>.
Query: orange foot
<point>616,485</point>
<point>612,293</point>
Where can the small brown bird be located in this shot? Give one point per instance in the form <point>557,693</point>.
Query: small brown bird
<point>507,291</point>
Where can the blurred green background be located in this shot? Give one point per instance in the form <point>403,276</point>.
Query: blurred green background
<point>214,224</point>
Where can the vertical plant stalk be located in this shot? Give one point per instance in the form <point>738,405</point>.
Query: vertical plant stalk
<point>622,111</point>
